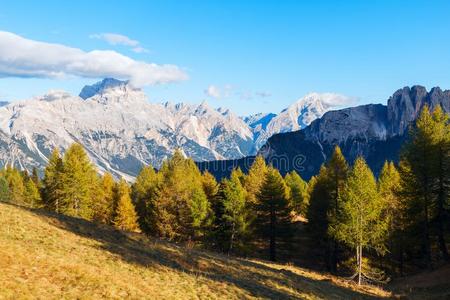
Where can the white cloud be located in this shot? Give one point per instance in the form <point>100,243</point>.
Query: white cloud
<point>115,39</point>
<point>120,39</point>
<point>21,57</point>
<point>213,91</point>
<point>334,99</point>
<point>140,50</point>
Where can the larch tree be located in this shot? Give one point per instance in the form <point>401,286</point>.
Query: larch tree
<point>441,188</point>
<point>79,182</point>
<point>337,174</point>
<point>235,211</point>
<point>16,185</point>
<point>255,178</point>
<point>361,224</point>
<point>52,182</point>
<point>389,187</point>
<point>182,207</point>
<point>317,214</point>
<point>32,195</point>
<point>298,189</point>
<point>104,207</point>
<point>125,217</point>
<point>273,213</point>
<point>417,171</point>
<point>4,189</point>
<point>144,193</point>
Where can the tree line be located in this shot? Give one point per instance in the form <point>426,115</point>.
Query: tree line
<point>358,223</point>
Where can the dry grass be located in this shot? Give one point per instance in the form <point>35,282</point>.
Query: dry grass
<point>47,256</point>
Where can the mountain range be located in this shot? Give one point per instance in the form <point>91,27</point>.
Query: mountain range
<point>121,130</point>
<point>374,131</point>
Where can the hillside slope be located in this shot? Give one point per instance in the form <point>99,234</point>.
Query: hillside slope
<point>52,256</point>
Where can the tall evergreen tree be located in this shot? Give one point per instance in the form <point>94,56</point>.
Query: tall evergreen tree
<point>255,178</point>
<point>337,174</point>
<point>298,189</point>
<point>361,224</point>
<point>389,186</point>
<point>4,189</point>
<point>79,183</point>
<point>16,185</point>
<point>417,171</point>
<point>235,211</point>
<point>125,217</point>
<point>31,194</point>
<point>441,142</point>
<point>181,206</point>
<point>144,194</point>
<point>52,182</point>
<point>104,207</point>
<point>319,206</point>
<point>273,212</point>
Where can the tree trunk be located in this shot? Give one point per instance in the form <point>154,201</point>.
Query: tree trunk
<point>231,239</point>
<point>427,236</point>
<point>272,234</point>
<point>440,207</point>
<point>359,250</point>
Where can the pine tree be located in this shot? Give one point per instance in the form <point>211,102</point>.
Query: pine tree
<point>389,186</point>
<point>31,194</point>
<point>52,182</point>
<point>104,207</point>
<point>417,171</point>
<point>4,189</point>
<point>125,215</point>
<point>16,186</point>
<point>182,209</point>
<point>361,224</point>
<point>319,206</point>
<point>273,213</point>
<point>35,177</point>
<point>298,189</point>
<point>144,194</point>
<point>210,185</point>
<point>441,142</point>
<point>235,215</point>
<point>337,174</point>
<point>255,178</point>
<point>79,184</point>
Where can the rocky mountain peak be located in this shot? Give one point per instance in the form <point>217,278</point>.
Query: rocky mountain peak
<point>405,105</point>
<point>111,90</point>
<point>105,85</point>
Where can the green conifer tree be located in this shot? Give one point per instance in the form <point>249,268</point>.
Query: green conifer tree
<point>181,207</point>
<point>298,189</point>
<point>235,215</point>
<point>125,215</point>
<point>144,194</point>
<point>273,213</point>
<point>441,188</point>
<point>4,189</point>
<point>417,172</point>
<point>255,178</point>
<point>104,207</point>
<point>16,186</point>
<point>32,195</point>
<point>361,224</point>
<point>79,184</point>
<point>389,186</point>
<point>52,182</point>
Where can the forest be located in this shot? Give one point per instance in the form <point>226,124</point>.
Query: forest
<point>366,228</point>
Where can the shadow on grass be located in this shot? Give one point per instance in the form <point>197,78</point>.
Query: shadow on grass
<point>247,275</point>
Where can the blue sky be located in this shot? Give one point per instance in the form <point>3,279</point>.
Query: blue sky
<point>258,56</point>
